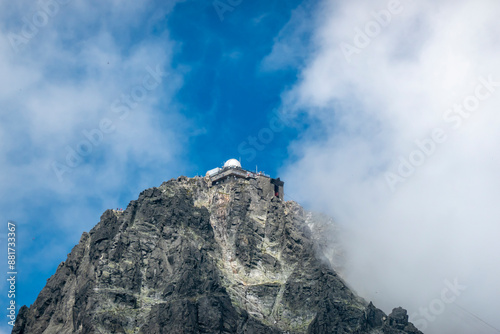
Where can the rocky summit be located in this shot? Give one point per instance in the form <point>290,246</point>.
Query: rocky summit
<point>196,256</point>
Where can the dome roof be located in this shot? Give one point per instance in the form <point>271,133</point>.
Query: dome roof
<point>232,163</point>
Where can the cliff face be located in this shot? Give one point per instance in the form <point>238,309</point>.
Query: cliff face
<point>188,257</point>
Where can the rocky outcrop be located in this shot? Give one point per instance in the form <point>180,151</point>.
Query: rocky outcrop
<point>189,257</point>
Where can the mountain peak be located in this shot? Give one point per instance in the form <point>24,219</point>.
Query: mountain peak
<point>222,253</point>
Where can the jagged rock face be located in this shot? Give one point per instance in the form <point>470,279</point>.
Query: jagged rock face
<point>188,257</point>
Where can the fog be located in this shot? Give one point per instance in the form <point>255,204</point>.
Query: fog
<point>405,99</point>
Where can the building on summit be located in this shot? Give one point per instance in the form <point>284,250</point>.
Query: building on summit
<point>232,170</point>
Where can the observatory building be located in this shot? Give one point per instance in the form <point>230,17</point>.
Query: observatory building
<point>232,170</point>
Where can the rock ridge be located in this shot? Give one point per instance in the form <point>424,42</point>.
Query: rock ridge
<point>192,257</point>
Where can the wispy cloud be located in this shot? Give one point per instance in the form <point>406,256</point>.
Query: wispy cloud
<point>59,87</point>
<point>442,221</point>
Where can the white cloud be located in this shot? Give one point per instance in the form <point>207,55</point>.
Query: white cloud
<point>60,85</point>
<point>291,43</point>
<point>64,81</point>
<point>441,222</point>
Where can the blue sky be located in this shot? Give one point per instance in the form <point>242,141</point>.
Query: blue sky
<point>383,114</point>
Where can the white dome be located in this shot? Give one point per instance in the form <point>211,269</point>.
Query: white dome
<point>232,163</point>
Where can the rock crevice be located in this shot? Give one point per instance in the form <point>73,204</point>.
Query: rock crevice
<point>189,257</point>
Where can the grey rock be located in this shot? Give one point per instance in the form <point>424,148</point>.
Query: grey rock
<point>189,257</point>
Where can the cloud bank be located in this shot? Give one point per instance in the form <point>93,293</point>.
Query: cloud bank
<point>404,99</point>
